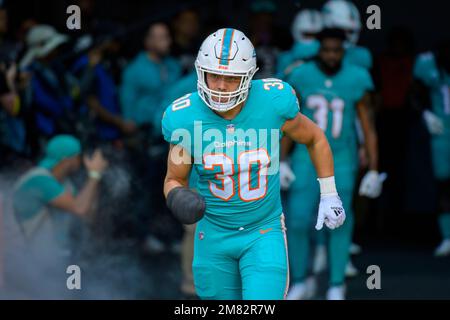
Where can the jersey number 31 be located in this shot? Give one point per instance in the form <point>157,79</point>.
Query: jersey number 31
<point>321,106</point>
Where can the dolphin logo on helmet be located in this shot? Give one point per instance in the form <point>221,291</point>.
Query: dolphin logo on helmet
<point>226,52</point>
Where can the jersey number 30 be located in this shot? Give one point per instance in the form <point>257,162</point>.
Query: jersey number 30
<point>225,188</point>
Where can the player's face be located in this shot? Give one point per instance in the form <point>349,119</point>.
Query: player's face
<point>188,24</point>
<point>72,164</point>
<point>222,83</point>
<point>75,163</point>
<point>158,39</point>
<point>331,52</point>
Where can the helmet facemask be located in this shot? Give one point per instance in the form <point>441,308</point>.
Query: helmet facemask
<point>307,24</point>
<point>214,98</point>
<point>352,36</point>
<point>226,52</point>
<point>343,15</point>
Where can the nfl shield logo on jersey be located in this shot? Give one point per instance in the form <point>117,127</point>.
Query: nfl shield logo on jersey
<point>201,235</point>
<point>230,128</point>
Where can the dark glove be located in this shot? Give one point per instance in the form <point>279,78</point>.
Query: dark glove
<point>186,205</point>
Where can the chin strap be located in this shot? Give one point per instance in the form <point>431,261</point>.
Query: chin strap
<point>224,106</point>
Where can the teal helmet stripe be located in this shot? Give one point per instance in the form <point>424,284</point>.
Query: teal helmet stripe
<point>226,46</point>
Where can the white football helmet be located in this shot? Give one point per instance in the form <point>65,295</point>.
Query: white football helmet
<point>344,15</point>
<point>226,52</point>
<point>306,21</point>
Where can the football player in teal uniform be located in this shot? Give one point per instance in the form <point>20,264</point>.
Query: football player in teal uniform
<point>307,24</point>
<point>432,71</point>
<point>344,15</point>
<point>229,132</point>
<point>333,95</point>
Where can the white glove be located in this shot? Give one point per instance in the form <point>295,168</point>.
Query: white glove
<point>331,212</point>
<point>433,122</point>
<point>372,184</point>
<point>286,175</point>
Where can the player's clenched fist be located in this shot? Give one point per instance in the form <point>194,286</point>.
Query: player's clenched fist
<point>331,210</point>
<point>186,205</point>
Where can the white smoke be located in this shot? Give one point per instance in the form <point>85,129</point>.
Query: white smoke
<point>110,269</point>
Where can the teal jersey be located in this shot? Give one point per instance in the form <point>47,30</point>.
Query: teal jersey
<point>330,101</point>
<point>193,179</point>
<point>144,86</point>
<point>358,56</point>
<point>300,52</point>
<point>38,220</point>
<point>181,87</point>
<point>236,160</point>
<point>438,81</point>
<point>34,193</point>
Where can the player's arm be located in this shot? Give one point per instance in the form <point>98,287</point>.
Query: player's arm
<point>304,135</point>
<point>419,99</point>
<point>187,205</point>
<point>105,115</point>
<point>82,203</point>
<point>368,129</point>
<point>302,130</point>
<point>372,182</point>
<point>179,165</point>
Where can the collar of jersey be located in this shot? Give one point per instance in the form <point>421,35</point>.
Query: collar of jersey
<point>236,119</point>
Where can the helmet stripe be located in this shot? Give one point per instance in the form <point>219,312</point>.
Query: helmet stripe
<point>226,46</point>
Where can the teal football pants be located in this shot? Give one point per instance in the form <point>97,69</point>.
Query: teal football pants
<point>440,151</point>
<point>248,264</point>
<point>301,215</point>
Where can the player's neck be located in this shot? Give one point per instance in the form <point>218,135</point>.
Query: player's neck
<point>328,70</point>
<point>154,57</point>
<point>231,114</point>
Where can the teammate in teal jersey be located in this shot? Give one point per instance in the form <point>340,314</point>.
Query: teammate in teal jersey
<point>333,94</point>
<point>181,87</point>
<point>307,23</point>
<point>229,133</point>
<point>432,72</point>
<point>344,15</point>
<point>335,14</point>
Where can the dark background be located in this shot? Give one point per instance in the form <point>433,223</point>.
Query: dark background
<point>428,20</point>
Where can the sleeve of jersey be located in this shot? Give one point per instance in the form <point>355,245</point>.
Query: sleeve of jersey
<point>174,131</point>
<point>368,61</point>
<point>286,103</point>
<point>365,82</point>
<point>49,188</point>
<point>423,69</point>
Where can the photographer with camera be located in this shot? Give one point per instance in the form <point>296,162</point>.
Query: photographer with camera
<point>44,189</point>
<point>46,207</point>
